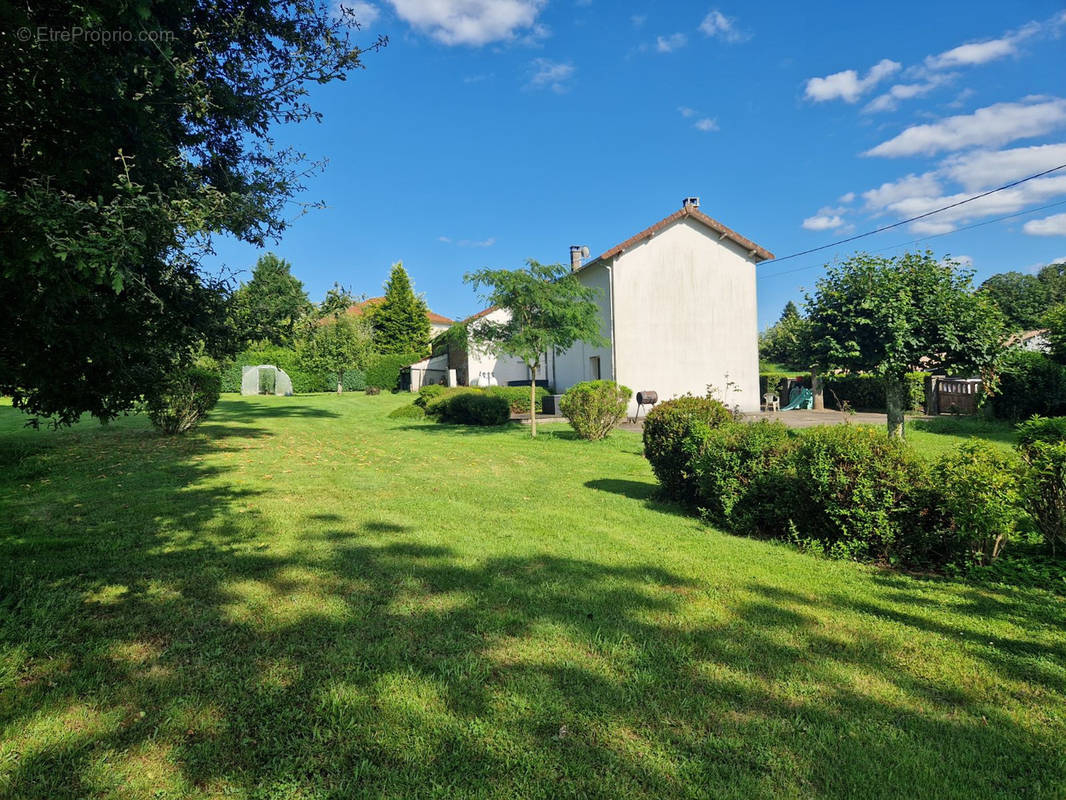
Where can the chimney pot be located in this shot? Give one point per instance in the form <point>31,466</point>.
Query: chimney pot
<point>690,202</point>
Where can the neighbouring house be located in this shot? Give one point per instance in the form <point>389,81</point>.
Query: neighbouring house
<point>1034,341</point>
<point>677,307</point>
<point>437,322</point>
<point>473,365</point>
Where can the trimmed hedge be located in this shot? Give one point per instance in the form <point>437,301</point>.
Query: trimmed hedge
<point>1029,383</point>
<point>384,370</point>
<point>866,392</point>
<point>474,408</point>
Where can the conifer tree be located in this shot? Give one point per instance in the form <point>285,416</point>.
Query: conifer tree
<point>401,321</point>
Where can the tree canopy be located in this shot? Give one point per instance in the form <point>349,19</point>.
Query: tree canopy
<point>891,316</point>
<point>785,342</point>
<point>337,344</point>
<point>1023,299</point>
<point>401,320</point>
<point>269,307</point>
<point>549,310</point>
<point>122,158</point>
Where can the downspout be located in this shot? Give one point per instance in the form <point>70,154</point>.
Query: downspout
<point>610,288</point>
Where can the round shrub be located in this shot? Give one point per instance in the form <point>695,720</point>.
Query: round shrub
<point>593,408</point>
<point>408,412</point>
<point>979,488</point>
<point>742,473</point>
<point>665,429</point>
<point>429,393</point>
<point>863,492</point>
<point>183,399</point>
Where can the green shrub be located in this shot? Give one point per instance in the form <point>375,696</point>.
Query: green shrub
<point>408,412</point>
<point>354,380</point>
<point>1042,444</point>
<point>775,381</point>
<point>741,472</point>
<point>231,378</point>
<point>474,408</point>
<point>1029,383</point>
<point>384,370</point>
<point>373,390</point>
<point>666,428</point>
<point>593,408</point>
<point>307,382</point>
<point>979,487</point>
<point>428,393</point>
<point>183,399</point>
<point>863,491</point>
<point>518,397</point>
<point>865,392</point>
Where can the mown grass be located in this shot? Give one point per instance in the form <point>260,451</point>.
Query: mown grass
<point>307,599</point>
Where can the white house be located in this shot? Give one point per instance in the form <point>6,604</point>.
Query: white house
<point>1033,341</point>
<point>678,309</point>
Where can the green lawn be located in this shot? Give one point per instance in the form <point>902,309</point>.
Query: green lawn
<point>304,599</point>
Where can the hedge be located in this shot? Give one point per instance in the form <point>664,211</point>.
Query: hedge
<point>384,370</point>
<point>865,392</point>
<point>1029,383</point>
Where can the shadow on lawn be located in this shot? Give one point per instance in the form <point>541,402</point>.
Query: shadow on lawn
<point>175,656</point>
<point>266,408</point>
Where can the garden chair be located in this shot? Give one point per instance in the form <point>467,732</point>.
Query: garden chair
<point>771,402</point>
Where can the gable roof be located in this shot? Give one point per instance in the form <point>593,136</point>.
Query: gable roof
<point>756,252</point>
<point>479,315</point>
<point>359,309</point>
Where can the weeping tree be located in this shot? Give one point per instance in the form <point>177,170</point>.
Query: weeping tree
<point>894,315</point>
<point>548,310</point>
<point>123,157</point>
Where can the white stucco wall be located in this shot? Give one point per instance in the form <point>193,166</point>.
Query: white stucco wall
<point>504,368</point>
<point>685,316</point>
<point>575,365</point>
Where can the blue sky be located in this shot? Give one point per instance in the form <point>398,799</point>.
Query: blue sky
<point>492,131</point>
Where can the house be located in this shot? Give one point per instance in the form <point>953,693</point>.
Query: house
<point>437,322</point>
<point>678,310</point>
<point>1033,341</point>
<point>472,365</point>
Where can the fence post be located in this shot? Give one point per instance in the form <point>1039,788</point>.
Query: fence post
<point>816,390</point>
<point>930,396</point>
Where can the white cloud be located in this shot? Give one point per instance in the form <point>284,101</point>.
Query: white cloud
<point>823,222</point>
<point>445,239</point>
<point>991,126</point>
<point>719,26</point>
<point>983,169</point>
<point>468,242</point>
<point>548,74</point>
<point>975,53</point>
<point>889,101</point>
<point>667,44</point>
<point>706,124</point>
<point>847,85</point>
<point>638,20</point>
<point>887,194</point>
<point>847,198</point>
<point>1055,225</point>
<point>685,111</point>
<point>469,22</point>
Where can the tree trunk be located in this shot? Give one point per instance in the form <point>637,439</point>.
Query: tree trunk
<point>818,401</point>
<point>533,400</point>
<point>895,386</point>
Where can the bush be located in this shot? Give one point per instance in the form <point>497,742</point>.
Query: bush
<point>1042,444</point>
<point>593,408</point>
<point>231,378</point>
<point>429,393</point>
<point>183,399</point>
<point>1029,383</point>
<point>307,382</point>
<point>384,370</point>
<point>740,472</point>
<point>863,491</point>
<point>354,380</point>
<point>408,412</point>
<point>474,408</point>
<point>979,487</point>
<point>518,397</point>
<point>666,428</point>
<point>373,390</point>
<point>267,381</point>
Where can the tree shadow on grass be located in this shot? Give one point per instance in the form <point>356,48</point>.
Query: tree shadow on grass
<point>264,409</point>
<point>990,430</point>
<point>168,653</point>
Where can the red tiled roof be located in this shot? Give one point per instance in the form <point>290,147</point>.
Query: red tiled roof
<point>360,308</point>
<point>479,315</point>
<point>723,232</point>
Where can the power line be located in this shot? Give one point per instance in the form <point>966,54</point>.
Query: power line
<point>913,219</point>
<point>926,238</point>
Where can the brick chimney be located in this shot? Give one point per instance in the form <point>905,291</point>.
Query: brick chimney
<point>577,256</point>
<point>691,202</point>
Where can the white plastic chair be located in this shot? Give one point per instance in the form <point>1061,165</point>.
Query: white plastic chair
<point>771,402</point>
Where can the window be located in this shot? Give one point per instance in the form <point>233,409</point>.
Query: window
<point>594,367</point>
